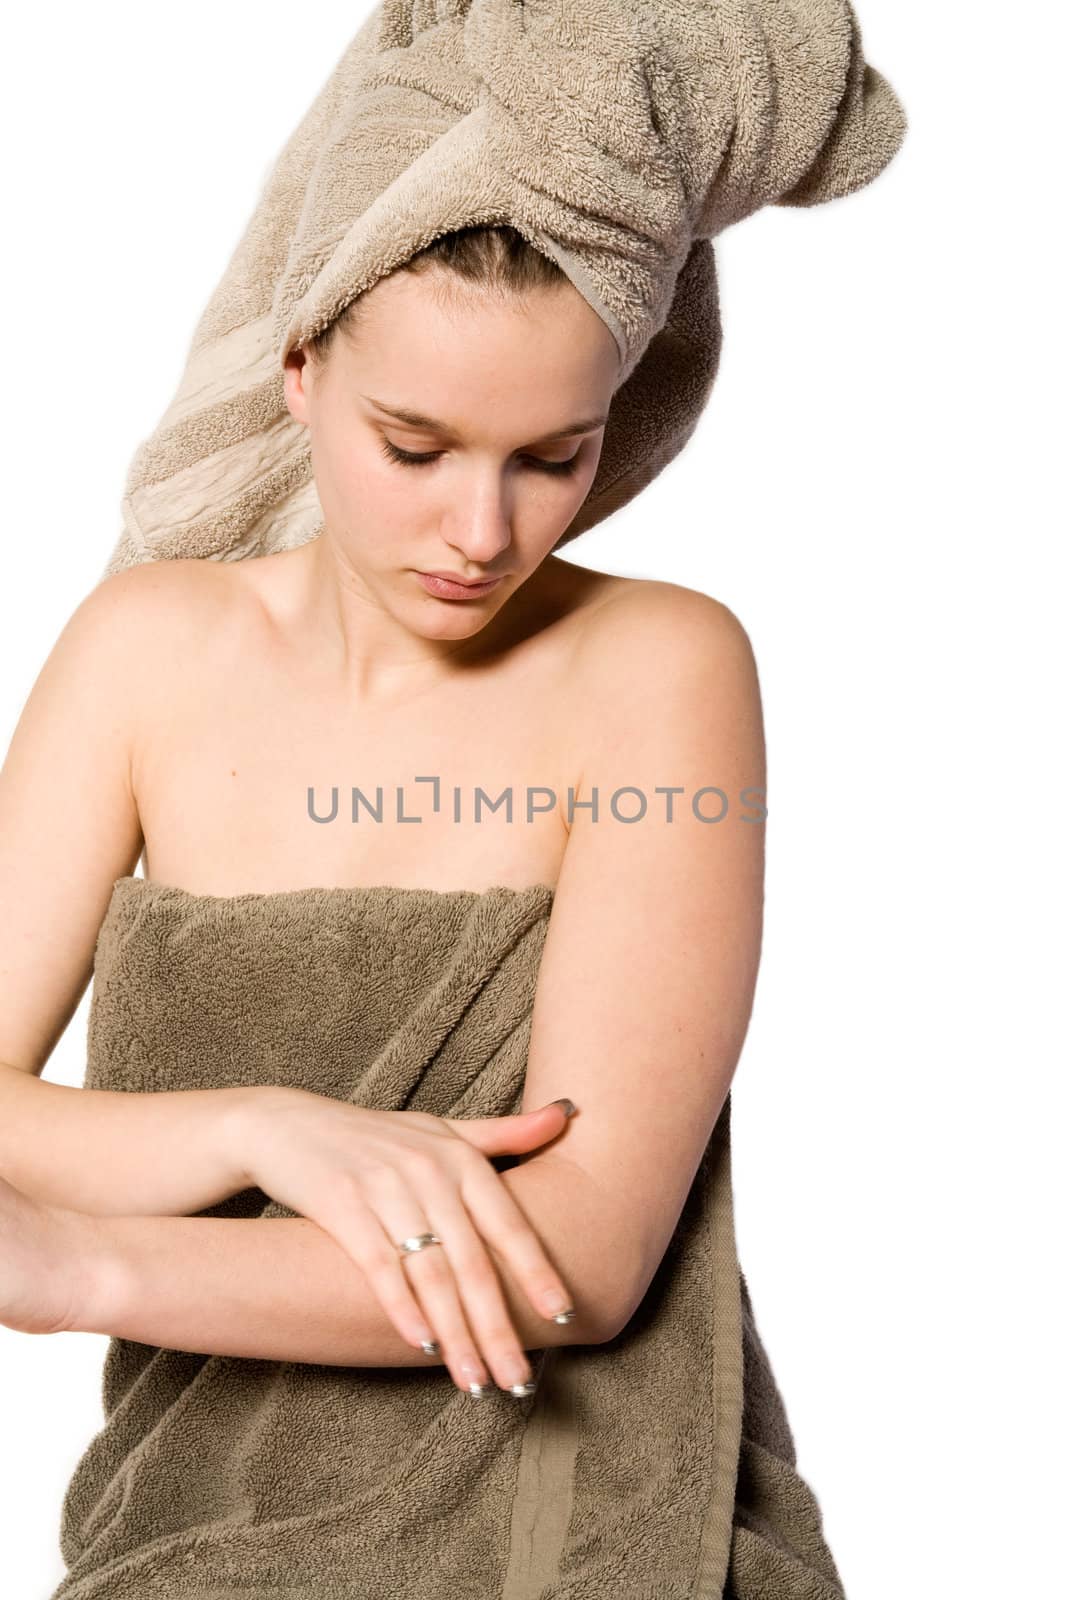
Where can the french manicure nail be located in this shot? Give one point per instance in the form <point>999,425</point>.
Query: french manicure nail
<point>557,1307</point>
<point>518,1380</point>
<point>472,1377</point>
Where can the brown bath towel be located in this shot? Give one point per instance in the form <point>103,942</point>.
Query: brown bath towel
<point>658,1466</point>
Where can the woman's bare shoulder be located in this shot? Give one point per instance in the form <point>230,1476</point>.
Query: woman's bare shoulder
<point>652,618</point>
<point>173,612</point>
<point>182,593</point>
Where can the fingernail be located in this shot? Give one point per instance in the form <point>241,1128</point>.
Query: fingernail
<point>557,1308</point>
<point>521,1390</point>
<point>569,1106</point>
<point>517,1377</point>
<point>431,1347</point>
<point>472,1377</point>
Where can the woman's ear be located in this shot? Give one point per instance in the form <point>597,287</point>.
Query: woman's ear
<point>298,377</point>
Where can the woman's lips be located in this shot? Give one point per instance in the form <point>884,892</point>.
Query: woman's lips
<point>446,589</point>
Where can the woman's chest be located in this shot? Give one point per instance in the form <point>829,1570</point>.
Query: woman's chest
<point>260,783</point>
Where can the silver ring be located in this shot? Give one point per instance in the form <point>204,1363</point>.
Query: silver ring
<point>419,1241</point>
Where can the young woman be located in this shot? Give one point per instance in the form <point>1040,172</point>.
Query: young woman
<point>444,837</point>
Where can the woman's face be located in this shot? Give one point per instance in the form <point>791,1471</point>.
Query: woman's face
<point>493,378</point>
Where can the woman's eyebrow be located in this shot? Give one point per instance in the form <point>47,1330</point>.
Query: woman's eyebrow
<point>415,419</point>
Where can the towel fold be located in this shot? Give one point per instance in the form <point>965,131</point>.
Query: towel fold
<point>657,1465</point>
<point>618,139</point>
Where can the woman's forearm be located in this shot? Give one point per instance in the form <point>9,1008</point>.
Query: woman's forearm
<point>108,1153</point>
<point>278,1289</point>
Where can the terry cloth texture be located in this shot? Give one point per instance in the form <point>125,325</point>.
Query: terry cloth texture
<point>618,139</point>
<point>657,1466</point>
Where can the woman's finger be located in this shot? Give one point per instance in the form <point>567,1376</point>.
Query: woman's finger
<point>467,1301</point>
<point>397,1198</point>
<point>502,1223</point>
<point>356,1227</point>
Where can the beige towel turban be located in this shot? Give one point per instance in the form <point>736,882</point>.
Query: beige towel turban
<point>617,138</point>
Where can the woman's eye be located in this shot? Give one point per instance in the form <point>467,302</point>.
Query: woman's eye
<point>408,459</point>
<point>394,453</point>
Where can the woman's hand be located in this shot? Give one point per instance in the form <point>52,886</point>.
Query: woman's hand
<point>43,1259</point>
<point>373,1178</point>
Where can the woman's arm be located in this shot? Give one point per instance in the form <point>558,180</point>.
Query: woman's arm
<point>649,967</point>
<point>69,826</point>
<point>281,1289</point>
<point>106,1152</point>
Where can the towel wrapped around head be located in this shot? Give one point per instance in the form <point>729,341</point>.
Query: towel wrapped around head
<point>619,140</point>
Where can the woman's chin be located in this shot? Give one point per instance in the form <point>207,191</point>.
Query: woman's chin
<point>439,619</point>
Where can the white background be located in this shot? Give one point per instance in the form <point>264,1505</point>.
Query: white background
<point>871,490</point>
